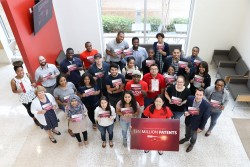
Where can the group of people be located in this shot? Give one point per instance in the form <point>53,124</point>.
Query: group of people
<point>130,83</point>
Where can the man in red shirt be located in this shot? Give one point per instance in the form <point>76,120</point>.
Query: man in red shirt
<point>87,56</point>
<point>156,84</point>
<point>139,88</point>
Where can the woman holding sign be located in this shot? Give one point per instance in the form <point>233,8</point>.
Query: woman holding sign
<point>105,115</point>
<point>157,110</point>
<point>127,108</point>
<point>77,115</point>
<point>22,85</point>
<point>43,107</point>
<point>89,93</point>
<point>200,79</point>
<point>176,96</point>
<point>218,97</point>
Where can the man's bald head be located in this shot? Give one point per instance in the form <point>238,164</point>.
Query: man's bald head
<point>42,60</point>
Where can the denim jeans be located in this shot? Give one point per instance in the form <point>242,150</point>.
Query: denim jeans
<point>103,130</point>
<point>190,133</point>
<point>177,115</point>
<point>125,127</point>
<point>214,116</point>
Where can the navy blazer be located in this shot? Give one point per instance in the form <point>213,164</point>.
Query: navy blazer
<point>198,121</point>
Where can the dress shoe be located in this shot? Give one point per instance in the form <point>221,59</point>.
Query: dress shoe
<point>182,141</point>
<point>190,147</point>
<point>104,144</point>
<point>208,133</point>
<point>111,143</point>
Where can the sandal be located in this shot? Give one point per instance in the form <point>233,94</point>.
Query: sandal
<point>56,132</point>
<point>103,144</point>
<point>111,144</point>
<point>53,140</point>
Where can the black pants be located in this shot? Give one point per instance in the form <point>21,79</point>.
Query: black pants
<point>190,133</point>
<point>91,113</point>
<point>85,136</point>
<point>27,106</point>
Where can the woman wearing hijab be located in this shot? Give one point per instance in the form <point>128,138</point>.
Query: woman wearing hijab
<point>77,115</point>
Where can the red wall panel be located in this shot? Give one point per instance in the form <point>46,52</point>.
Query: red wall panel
<point>46,42</point>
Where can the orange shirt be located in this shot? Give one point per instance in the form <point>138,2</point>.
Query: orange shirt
<point>138,95</point>
<point>84,57</point>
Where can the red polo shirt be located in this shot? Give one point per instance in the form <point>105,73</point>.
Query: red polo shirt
<point>139,98</point>
<point>162,84</point>
<point>85,54</point>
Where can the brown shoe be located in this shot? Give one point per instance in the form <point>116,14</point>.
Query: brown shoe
<point>190,147</point>
<point>71,133</point>
<point>104,144</point>
<point>94,126</point>
<point>111,143</point>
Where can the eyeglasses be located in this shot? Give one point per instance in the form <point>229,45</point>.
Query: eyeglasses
<point>136,76</point>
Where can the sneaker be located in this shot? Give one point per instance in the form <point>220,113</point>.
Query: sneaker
<point>125,144</point>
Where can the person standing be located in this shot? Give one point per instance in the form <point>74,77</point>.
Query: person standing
<point>150,60</point>
<point>217,95</point>
<point>195,122</point>
<point>200,78</point>
<point>77,115</point>
<point>104,116</point>
<point>46,74</point>
<point>87,56</point>
<point>194,60</point>
<point>115,48</point>
<point>115,84</point>
<point>129,68</point>
<point>22,85</point>
<point>89,92</point>
<point>156,84</point>
<point>158,110</point>
<point>139,53</point>
<point>127,108</point>
<point>176,96</point>
<point>139,88</point>
<point>161,49</point>
<point>43,107</point>
<point>71,67</point>
<point>99,70</point>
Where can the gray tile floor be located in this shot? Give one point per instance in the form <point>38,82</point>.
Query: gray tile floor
<point>24,144</point>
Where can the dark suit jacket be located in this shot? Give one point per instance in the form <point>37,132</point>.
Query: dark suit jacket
<point>198,121</point>
<point>168,62</point>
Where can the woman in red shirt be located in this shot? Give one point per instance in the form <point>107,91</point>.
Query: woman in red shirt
<point>157,110</point>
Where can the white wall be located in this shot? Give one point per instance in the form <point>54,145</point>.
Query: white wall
<point>217,25</point>
<point>79,21</point>
<point>4,49</point>
<point>243,42</point>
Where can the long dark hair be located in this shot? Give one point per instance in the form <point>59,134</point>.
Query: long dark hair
<point>58,79</point>
<point>204,65</point>
<point>92,81</point>
<point>108,105</point>
<point>164,106</point>
<point>132,103</point>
